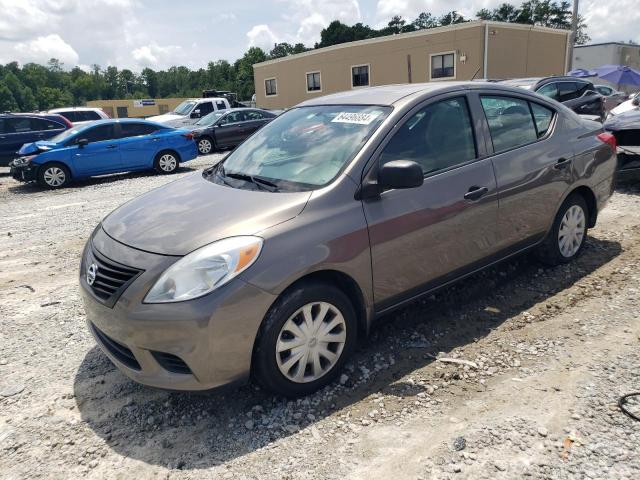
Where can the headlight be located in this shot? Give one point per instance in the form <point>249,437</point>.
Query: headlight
<point>23,160</point>
<point>205,269</point>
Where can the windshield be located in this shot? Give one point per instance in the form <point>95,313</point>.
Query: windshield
<point>210,118</point>
<point>304,148</point>
<point>66,134</point>
<point>185,107</point>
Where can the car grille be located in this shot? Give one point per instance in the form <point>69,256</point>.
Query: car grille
<point>111,278</point>
<point>119,351</point>
<point>171,363</point>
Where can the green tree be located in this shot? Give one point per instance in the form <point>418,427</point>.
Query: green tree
<point>7,102</point>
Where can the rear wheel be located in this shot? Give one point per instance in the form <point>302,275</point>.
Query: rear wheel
<point>54,175</point>
<point>166,162</point>
<point>205,146</point>
<point>305,340</point>
<point>568,234</point>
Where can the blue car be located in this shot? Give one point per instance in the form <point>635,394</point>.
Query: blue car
<point>103,147</point>
<point>16,129</point>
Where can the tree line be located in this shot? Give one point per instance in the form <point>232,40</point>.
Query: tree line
<point>41,87</point>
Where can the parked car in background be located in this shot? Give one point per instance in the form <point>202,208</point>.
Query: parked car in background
<point>16,129</point>
<point>270,264</point>
<point>626,128</point>
<point>81,115</point>
<point>228,128</point>
<point>632,104</point>
<point>190,111</point>
<point>102,147</point>
<point>578,94</point>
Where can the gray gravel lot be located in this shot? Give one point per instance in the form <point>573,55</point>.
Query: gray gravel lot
<point>543,356</point>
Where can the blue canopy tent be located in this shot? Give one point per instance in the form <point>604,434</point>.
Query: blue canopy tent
<point>619,75</point>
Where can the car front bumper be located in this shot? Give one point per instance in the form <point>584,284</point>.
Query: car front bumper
<point>24,173</point>
<point>198,344</point>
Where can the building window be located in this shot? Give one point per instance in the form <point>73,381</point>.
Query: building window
<point>313,82</point>
<point>360,76</point>
<point>270,87</point>
<point>443,65</point>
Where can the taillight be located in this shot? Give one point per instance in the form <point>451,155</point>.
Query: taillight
<point>609,139</point>
<point>188,135</point>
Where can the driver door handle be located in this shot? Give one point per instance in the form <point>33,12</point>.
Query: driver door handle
<point>562,163</point>
<point>475,193</point>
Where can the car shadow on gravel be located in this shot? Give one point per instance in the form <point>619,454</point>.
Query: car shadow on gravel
<point>19,188</point>
<point>193,431</point>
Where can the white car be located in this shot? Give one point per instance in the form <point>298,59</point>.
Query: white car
<point>81,115</point>
<point>190,111</point>
<point>631,104</point>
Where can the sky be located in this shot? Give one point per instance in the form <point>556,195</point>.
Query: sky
<point>160,33</point>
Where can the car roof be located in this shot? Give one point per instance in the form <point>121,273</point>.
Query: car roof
<point>37,114</point>
<point>388,95</point>
<point>67,109</point>
<point>107,121</point>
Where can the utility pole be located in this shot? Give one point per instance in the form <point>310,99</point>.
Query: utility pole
<point>573,35</point>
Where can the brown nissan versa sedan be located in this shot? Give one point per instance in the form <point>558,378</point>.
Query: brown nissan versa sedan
<point>273,262</point>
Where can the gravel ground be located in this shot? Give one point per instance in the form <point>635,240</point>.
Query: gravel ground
<point>512,373</point>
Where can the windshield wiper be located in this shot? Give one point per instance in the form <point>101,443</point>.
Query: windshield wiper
<point>258,181</point>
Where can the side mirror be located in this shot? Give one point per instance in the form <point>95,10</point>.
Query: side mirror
<point>635,101</point>
<point>400,174</point>
<point>195,114</point>
<point>83,142</point>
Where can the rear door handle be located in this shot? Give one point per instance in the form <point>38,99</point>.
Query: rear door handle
<point>562,163</point>
<point>475,193</point>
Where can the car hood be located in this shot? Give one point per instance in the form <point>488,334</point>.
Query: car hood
<point>166,117</point>
<point>192,212</point>
<point>629,120</point>
<point>37,147</point>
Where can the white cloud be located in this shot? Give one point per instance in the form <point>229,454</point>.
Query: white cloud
<point>262,36</point>
<point>612,24</point>
<point>227,17</point>
<point>42,49</point>
<point>153,54</point>
<point>303,20</point>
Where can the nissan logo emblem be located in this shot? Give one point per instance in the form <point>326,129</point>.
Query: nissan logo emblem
<point>92,271</point>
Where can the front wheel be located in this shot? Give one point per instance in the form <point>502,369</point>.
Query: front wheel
<point>205,146</point>
<point>305,340</point>
<point>568,234</point>
<point>54,175</point>
<point>166,162</point>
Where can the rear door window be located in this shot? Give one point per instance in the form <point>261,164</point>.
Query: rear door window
<point>549,90</point>
<point>44,125</point>
<point>136,129</point>
<point>567,91</point>
<point>98,134</point>
<point>90,115</point>
<point>510,122</point>
<point>220,105</point>
<point>18,125</point>
<point>72,116</point>
<point>253,115</point>
<point>233,117</point>
<point>437,137</point>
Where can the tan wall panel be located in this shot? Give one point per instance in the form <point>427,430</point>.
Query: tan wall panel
<point>136,112</point>
<point>387,60</point>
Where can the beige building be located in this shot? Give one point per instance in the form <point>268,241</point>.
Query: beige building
<point>478,49</point>
<point>136,108</point>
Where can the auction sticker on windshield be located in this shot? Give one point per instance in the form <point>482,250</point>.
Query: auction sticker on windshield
<point>354,117</point>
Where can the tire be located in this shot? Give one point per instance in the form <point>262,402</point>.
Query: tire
<point>54,175</point>
<point>206,146</point>
<point>568,233</point>
<point>269,365</point>
<point>166,162</point>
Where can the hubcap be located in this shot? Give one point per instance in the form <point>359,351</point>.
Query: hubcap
<point>311,342</point>
<point>168,162</point>
<point>571,231</point>
<point>204,146</point>
<point>54,176</point>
